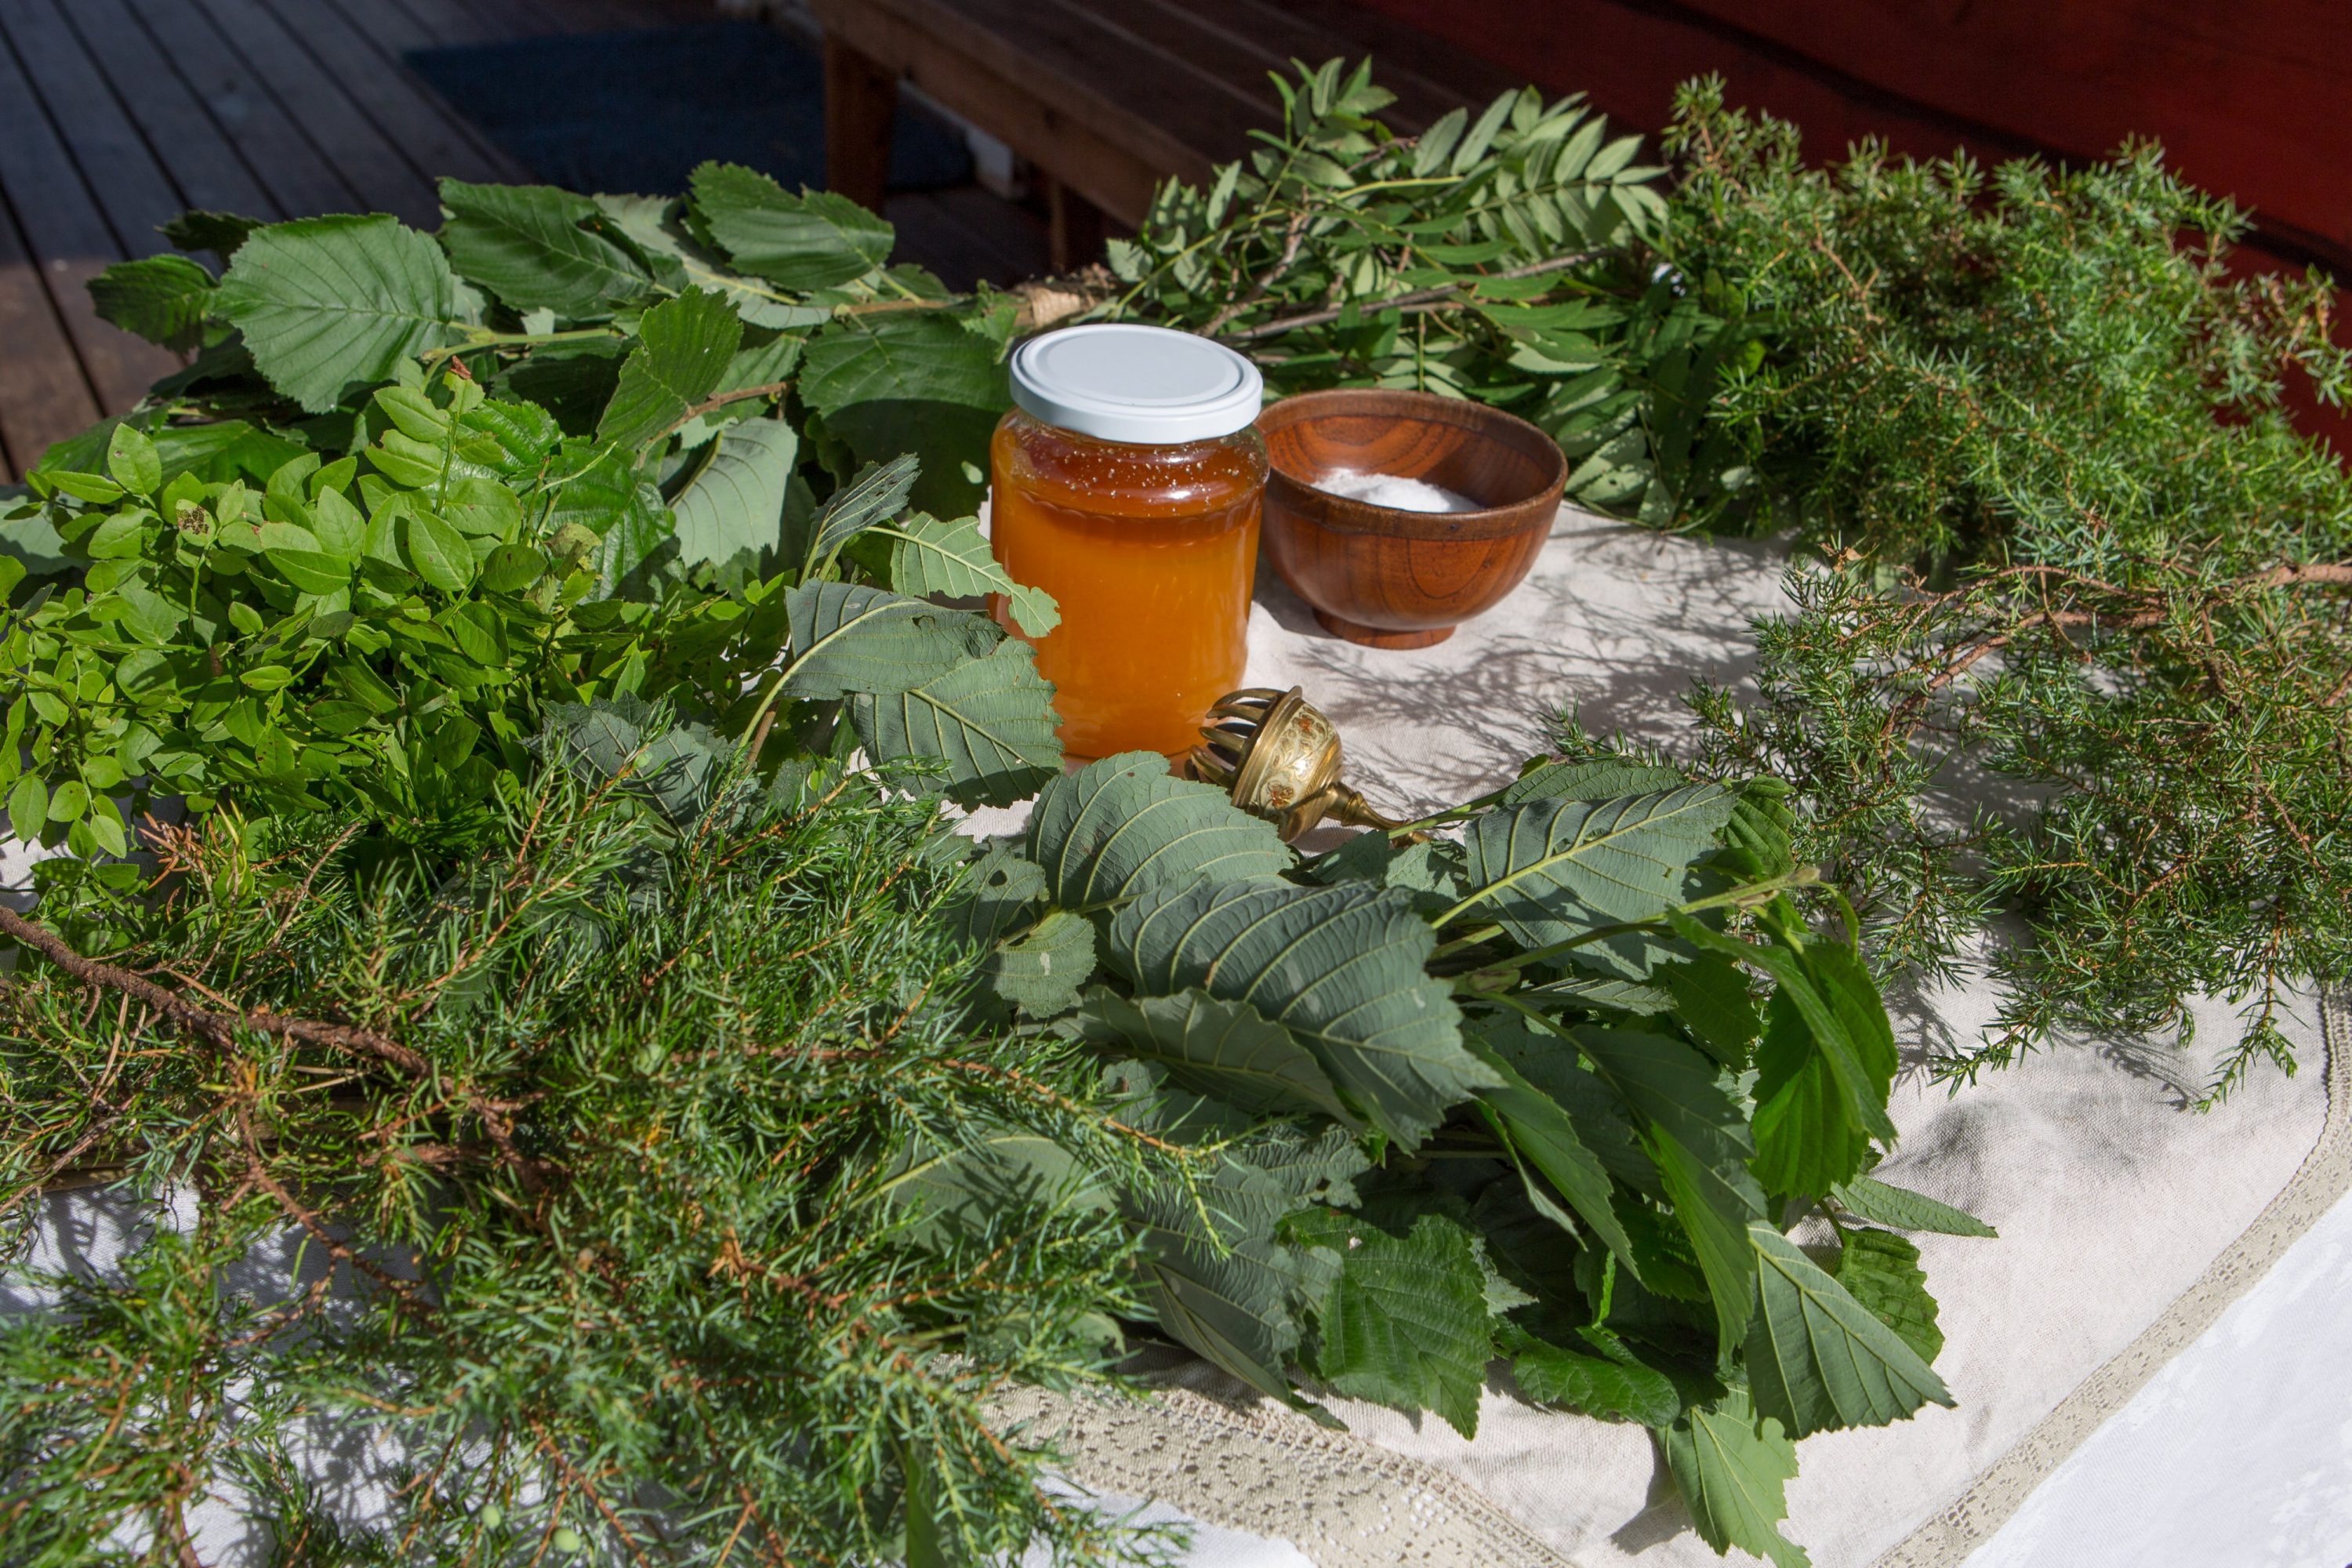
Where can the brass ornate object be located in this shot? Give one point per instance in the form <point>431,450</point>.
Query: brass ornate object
<point>1279,757</point>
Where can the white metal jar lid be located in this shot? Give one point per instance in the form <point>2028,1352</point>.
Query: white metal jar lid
<point>1143,385</point>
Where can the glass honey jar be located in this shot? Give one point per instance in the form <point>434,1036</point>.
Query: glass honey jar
<point>1126,482</point>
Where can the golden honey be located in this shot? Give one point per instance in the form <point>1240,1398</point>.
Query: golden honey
<point>1150,549</point>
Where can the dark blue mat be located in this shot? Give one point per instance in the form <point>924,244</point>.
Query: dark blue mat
<point>637,110</point>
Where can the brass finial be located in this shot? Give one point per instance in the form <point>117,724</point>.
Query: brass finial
<point>1279,757</point>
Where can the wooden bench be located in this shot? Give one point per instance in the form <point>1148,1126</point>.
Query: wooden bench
<point>1107,97</point>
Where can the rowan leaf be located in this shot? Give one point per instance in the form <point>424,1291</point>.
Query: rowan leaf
<point>814,240</point>
<point>1227,1050</point>
<point>1405,1324</point>
<point>329,304</point>
<point>1341,967</point>
<point>1123,828</point>
<point>683,349</point>
<point>1733,1471</point>
<point>731,513</point>
<point>990,721</point>
<point>538,248</point>
<point>847,638</point>
<point>1817,1359</point>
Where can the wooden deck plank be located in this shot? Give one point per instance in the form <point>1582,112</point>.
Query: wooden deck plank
<point>451,22</point>
<point>344,135</point>
<point>433,137</point>
<point>132,194</point>
<point>1202,58</point>
<point>291,167</point>
<point>964,236</point>
<point>204,165</point>
<point>1399,49</point>
<point>393,32</point>
<point>69,240</point>
<point>43,396</point>
<point>1278,37</point>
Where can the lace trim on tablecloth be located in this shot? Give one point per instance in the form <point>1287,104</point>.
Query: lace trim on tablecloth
<point>2001,1488</point>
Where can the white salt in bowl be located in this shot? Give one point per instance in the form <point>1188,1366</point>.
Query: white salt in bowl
<point>1399,515</point>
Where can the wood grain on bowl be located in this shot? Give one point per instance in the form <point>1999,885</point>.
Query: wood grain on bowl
<point>1387,578</point>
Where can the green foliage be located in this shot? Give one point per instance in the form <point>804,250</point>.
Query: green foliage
<point>364,592</point>
<point>1734,1469</point>
<point>611,1196</point>
<point>384,641</point>
<point>1405,1323</point>
<point>1531,1170</point>
<point>2079,645</point>
<point>1499,258</point>
<point>519,622</point>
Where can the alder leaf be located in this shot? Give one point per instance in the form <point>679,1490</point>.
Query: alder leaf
<point>910,380</point>
<point>1805,1145</point>
<point>1552,869</point>
<point>536,247</point>
<point>1405,1323</point>
<point>1881,1270</point>
<point>164,299</point>
<point>683,349</point>
<point>963,1188</point>
<point>1710,998</point>
<point>814,240</point>
<point>1866,1197</point>
<point>328,305</point>
<point>1605,780</point>
<point>1734,1471</point>
<point>991,720</point>
<point>1227,1050</point>
<point>1123,828</point>
<point>847,638</point>
<point>733,511</point>
<point>1543,1135</point>
<point>1225,1296</point>
<point>950,558</point>
<point>1341,967</point>
<point>1042,972</point>
<point>1000,892</point>
<point>1817,1359</point>
<point>1835,997</point>
<point>878,491</point>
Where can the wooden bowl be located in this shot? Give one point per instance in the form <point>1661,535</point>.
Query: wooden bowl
<point>1387,578</point>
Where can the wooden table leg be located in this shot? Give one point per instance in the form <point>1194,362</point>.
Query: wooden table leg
<point>861,98</point>
<point>1076,235</point>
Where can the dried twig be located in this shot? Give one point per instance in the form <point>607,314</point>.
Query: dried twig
<point>217,1027</point>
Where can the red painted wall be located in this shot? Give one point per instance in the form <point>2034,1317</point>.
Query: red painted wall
<point>2251,98</point>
